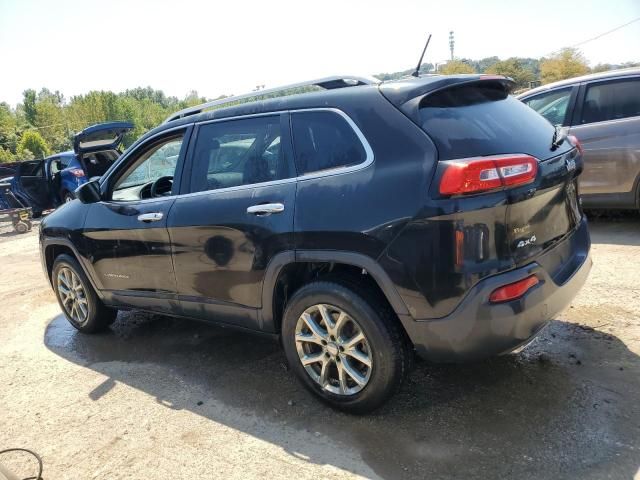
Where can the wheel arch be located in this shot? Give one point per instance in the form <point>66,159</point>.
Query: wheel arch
<point>294,269</point>
<point>52,249</point>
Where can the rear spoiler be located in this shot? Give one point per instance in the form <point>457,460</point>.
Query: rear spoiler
<point>407,94</point>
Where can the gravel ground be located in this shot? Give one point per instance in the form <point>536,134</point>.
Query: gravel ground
<point>155,397</point>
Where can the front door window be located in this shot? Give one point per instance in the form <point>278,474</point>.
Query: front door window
<point>151,175</point>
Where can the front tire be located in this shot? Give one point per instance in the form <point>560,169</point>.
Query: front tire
<point>76,297</point>
<point>344,345</point>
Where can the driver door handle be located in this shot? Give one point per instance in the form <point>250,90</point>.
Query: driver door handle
<point>266,209</point>
<point>150,217</point>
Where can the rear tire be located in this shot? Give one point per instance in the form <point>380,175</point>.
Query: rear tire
<point>345,383</point>
<point>77,298</point>
<point>67,197</point>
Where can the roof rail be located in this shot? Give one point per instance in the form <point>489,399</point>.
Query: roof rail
<point>337,81</point>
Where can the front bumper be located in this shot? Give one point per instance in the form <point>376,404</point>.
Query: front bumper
<point>478,329</point>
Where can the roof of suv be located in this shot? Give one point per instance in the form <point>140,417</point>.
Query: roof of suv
<point>584,78</point>
<point>396,91</point>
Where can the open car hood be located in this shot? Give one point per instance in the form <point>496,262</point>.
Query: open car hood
<point>103,136</point>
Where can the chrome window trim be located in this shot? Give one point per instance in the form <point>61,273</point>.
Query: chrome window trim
<point>369,158</point>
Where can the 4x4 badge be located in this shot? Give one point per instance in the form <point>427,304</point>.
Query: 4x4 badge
<point>528,241</point>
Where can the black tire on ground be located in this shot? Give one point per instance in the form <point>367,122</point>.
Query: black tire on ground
<point>22,227</point>
<point>99,316</point>
<point>390,349</point>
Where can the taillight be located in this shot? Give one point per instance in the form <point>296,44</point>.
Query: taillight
<point>76,172</point>
<point>576,143</point>
<point>513,290</point>
<point>474,175</point>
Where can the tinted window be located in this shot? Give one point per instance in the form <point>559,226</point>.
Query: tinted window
<point>239,152</point>
<point>32,169</point>
<point>551,105</point>
<point>611,101</point>
<point>324,140</point>
<point>482,119</point>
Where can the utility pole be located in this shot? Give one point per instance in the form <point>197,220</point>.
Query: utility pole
<point>452,42</point>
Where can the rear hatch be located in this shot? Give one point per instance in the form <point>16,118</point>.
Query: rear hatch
<point>97,147</point>
<point>490,143</point>
<point>100,137</point>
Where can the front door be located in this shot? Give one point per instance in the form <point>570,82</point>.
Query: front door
<point>127,232</point>
<point>237,218</point>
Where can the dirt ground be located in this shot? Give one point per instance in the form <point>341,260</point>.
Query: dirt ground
<point>169,399</point>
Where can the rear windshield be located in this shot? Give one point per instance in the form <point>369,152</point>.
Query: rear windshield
<point>482,119</point>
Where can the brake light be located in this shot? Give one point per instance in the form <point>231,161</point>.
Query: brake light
<point>482,174</point>
<point>576,143</point>
<point>513,290</point>
<point>76,172</point>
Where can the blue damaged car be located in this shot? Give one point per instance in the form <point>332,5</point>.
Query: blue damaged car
<point>47,183</point>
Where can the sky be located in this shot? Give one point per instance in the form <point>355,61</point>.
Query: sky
<point>229,47</point>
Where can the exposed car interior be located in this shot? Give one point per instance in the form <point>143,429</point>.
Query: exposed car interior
<point>96,164</point>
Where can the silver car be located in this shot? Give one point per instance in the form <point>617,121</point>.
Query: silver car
<point>603,111</point>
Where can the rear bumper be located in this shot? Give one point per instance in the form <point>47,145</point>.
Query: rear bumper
<point>477,329</point>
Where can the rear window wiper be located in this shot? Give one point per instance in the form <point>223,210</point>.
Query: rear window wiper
<point>559,136</point>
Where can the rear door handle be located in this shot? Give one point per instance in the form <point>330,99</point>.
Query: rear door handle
<point>150,217</point>
<point>266,209</point>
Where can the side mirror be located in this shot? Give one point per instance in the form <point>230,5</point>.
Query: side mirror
<point>88,192</point>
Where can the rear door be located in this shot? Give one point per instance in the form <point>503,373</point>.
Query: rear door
<point>607,123</point>
<point>238,216</point>
<point>126,232</point>
<point>34,185</point>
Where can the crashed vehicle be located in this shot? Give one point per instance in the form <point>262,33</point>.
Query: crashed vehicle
<point>45,184</point>
<point>356,224</point>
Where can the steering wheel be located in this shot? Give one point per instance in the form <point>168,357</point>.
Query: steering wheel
<point>161,186</point>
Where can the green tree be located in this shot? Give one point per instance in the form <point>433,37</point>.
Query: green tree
<point>513,68</point>
<point>8,129</point>
<point>6,156</point>
<point>32,143</point>
<point>568,63</point>
<point>455,67</point>
<point>29,105</point>
<point>50,120</point>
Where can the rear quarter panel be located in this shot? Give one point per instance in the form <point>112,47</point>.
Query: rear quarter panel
<point>362,211</point>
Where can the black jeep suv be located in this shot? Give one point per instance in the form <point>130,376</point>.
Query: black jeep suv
<point>355,223</point>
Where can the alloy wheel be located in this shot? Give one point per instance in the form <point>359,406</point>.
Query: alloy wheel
<point>333,349</point>
<point>73,295</point>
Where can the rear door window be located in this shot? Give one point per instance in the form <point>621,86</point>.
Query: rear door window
<point>551,105</point>
<point>32,169</point>
<point>481,119</point>
<point>240,152</point>
<point>324,140</point>
<point>611,101</point>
